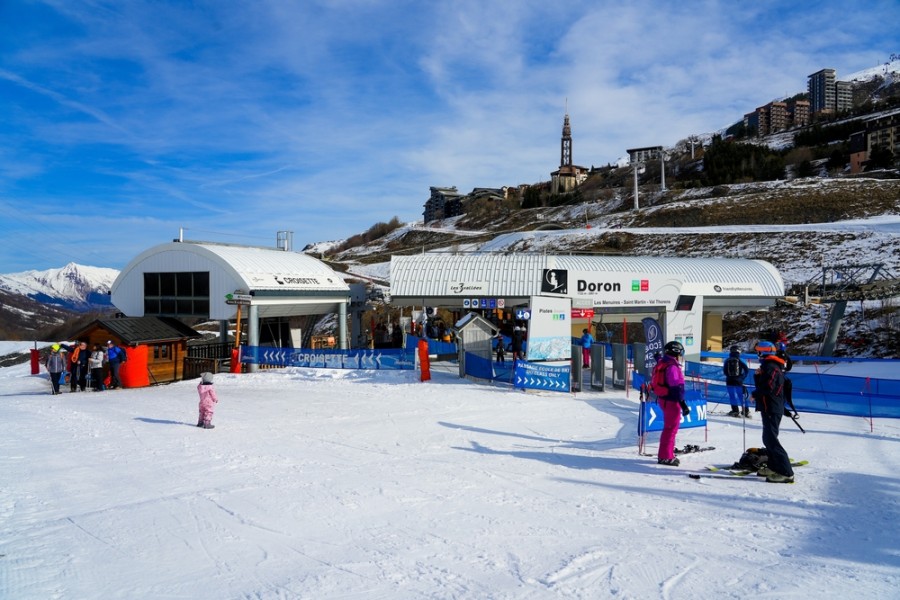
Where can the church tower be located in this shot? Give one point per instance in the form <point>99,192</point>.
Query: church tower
<point>564,180</point>
<point>565,158</point>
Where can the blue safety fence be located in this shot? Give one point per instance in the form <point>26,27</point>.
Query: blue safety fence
<point>434,346</point>
<point>812,392</point>
<point>382,359</point>
<point>483,368</point>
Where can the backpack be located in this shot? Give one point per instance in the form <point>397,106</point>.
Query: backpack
<point>733,367</point>
<point>753,459</point>
<point>658,380</point>
<point>123,356</point>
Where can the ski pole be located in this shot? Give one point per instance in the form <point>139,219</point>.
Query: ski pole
<point>797,423</point>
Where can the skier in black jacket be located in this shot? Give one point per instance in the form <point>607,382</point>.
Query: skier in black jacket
<point>736,371</point>
<point>769,397</point>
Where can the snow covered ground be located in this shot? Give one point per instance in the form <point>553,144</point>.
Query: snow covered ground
<point>337,484</point>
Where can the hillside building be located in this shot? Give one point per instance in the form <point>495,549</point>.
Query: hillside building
<point>827,94</point>
<point>777,116</point>
<point>858,151</point>
<point>883,131</point>
<point>444,202</point>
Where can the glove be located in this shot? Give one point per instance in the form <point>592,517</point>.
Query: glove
<point>685,410</point>
<point>788,413</point>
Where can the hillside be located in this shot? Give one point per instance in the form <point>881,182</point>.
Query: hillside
<point>800,226</point>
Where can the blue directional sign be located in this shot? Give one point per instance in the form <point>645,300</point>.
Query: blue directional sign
<point>652,415</point>
<point>523,314</point>
<point>542,377</point>
<point>330,359</point>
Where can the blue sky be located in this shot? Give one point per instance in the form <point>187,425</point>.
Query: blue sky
<point>126,120</point>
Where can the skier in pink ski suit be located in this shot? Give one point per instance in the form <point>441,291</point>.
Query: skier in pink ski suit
<point>208,401</point>
<point>673,404</point>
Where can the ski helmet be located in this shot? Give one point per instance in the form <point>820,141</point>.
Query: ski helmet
<point>735,349</point>
<point>55,347</point>
<point>674,349</point>
<point>765,348</point>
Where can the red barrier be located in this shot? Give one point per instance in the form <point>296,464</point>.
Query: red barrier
<point>235,366</point>
<point>424,363</point>
<point>134,372</point>
<point>35,361</point>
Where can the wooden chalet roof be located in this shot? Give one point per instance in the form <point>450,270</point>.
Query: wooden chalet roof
<point>143,330</point>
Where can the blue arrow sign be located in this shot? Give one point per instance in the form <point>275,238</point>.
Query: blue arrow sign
<point>542,377</point>
<point>653,414</point>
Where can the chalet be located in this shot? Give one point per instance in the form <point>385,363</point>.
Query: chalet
<point>156,347</point>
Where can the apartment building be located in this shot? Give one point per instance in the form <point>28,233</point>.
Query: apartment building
<point>822,91</point>
<point>883,131</point>
<point>445,202</point>
<point>777,116</point>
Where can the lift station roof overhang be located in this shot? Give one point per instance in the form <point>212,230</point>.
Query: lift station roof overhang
<point>281,283</point>
<point>608,283</point>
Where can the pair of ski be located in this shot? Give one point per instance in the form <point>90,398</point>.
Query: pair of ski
<point>727,473</point>
<point>689,449</point>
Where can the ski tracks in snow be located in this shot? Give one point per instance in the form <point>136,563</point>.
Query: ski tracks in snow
<point>581,574</point>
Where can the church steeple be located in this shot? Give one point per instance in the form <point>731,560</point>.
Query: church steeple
<point>565,159</point>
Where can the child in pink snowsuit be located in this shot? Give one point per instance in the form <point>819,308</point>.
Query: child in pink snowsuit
<point>208,400</point>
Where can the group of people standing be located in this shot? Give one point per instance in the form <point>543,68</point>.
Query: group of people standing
<point>84,365</point>
<point>772,396</point>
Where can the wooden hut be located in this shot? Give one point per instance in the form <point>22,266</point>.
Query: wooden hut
<point>156,347</point>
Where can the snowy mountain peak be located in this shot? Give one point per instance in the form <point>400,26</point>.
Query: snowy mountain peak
<point>73,286</point>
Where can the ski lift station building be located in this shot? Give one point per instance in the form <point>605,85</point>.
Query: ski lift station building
<point>688,296</point>
<point>275,287</point>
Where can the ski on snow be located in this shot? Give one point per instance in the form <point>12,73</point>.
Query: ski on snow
<point>726,473</point>
<point>689,449</point>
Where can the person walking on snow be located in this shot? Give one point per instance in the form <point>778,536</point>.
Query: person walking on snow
<point>736,371</point>
<point>56,366</point>
<point>673,404</point>
<point>208,401</point>
<point>769,397</point>
<point>587,340</point>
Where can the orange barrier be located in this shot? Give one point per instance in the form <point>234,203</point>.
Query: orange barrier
<point>424,363</point>
<point>235,361</point>
<point>134,372</point>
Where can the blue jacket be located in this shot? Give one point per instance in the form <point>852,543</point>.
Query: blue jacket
<point>586,340</point>
<point>114,354</point>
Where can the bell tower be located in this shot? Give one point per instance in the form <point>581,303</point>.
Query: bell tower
<point>564,180</point>
<point>565,157</point>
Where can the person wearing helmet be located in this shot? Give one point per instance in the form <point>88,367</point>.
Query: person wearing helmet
<point>673,404</point>
<point>56,365</point>
<point>769,397</point>
<point>736,371</point>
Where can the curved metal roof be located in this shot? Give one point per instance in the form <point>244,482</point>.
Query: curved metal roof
<point>282,283</point>
<point>520,274</point>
